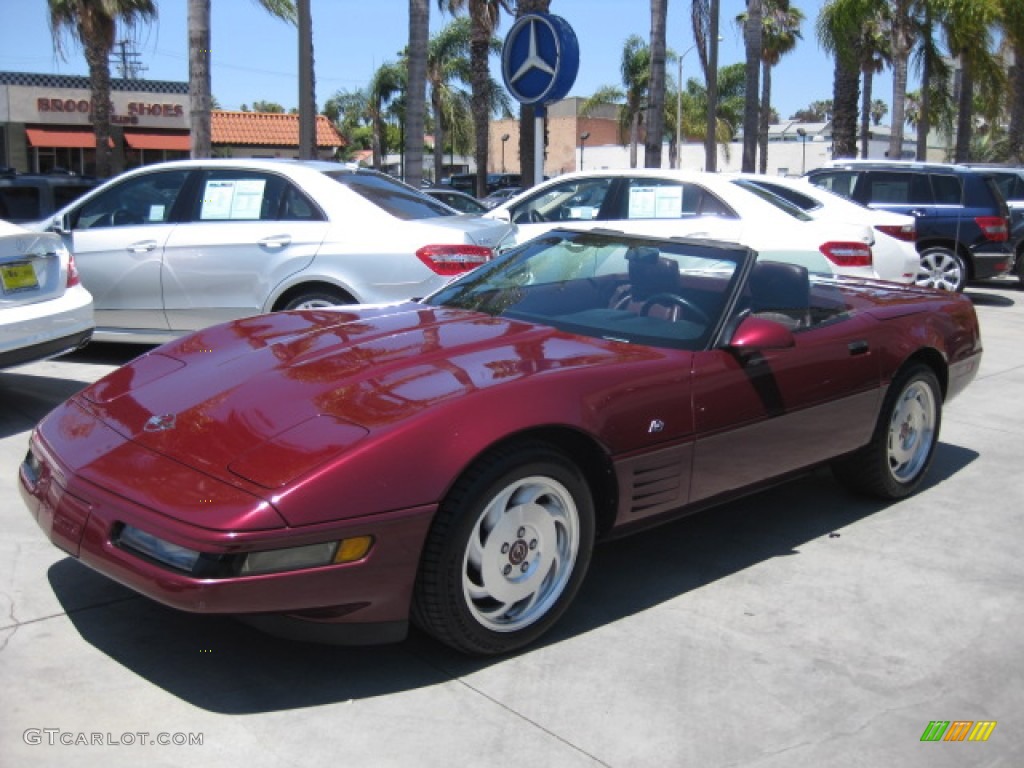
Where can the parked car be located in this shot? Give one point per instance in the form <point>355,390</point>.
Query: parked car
<point>894,251</point>
<point>27,197</point>
<point>496,181</point>
<point>452,461</point>
<point>667,203</point>
<point>460,201</point>
<point>499,196</point>
<point>1011,184</point>
<point>44,309</point>
<point>174,247</point>
<point>962,220</point>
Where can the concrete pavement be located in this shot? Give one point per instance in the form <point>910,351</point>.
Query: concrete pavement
<point>799,627</point>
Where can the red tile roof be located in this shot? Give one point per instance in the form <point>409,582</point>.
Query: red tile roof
<point>267,129</point>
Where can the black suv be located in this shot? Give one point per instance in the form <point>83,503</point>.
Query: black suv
<point>28,197</point>
<point>1011,183</point>
<point>963,222</point>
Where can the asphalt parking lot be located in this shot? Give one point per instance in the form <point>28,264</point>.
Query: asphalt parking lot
<point>799,627</point>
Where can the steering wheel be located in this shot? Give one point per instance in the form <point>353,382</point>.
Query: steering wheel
<point>675,300</point>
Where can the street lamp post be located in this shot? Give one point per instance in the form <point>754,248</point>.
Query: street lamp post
<point>803,150</point>
<point>504,138</point>
<point>583,140</point>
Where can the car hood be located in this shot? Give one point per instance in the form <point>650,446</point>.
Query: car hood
<point>268,399</point>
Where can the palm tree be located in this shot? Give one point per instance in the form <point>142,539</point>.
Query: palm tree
<point>704,15</point>
<point>415,97</point>
<point>903,26</point>
<point>1013,28</point>
<point>447,62</point>
<point>969,27</point>
<point>838,32</point>
<point>753,33</point>
<point>656,86</point>
<point>484,15</point>
<point>781,29</point>
<point>632,97</point>
<point>874,52</point>
<point>387,82</point>
<point>199,80</point>
<point>527,114</point>
<point>92,24</point>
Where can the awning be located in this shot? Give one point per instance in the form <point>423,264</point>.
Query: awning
<point>61,137</point>
<point>179,142</point>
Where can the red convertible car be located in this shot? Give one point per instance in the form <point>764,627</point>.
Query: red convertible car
<point>451,461</point>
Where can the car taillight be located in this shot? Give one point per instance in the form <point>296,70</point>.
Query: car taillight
<point>994,228</point>
<point>905,232</point>
<point>847,254</point>
<point>73,278</point>
<point>450,260</point>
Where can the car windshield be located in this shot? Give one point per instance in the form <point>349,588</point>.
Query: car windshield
<point>668,293</point>
<point>398,199</point>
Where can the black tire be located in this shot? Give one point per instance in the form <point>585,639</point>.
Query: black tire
<point>943,269</point>
<point>317,298</point>
<point>895,462</point>
<point>507,551</point>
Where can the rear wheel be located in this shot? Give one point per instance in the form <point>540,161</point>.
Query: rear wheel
<point>942,268</point>
<point>507,551</point>
<point>896,460</point>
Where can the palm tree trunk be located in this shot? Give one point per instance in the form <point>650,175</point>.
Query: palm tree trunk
<point>711,128</point>
<point>307,87</point>
<point>752,31</point>
<point>415,97</point>
<point>846,86</point>
<point>865,113</point>
<point>634,138</point>
<point>656,86</point>
<point>199,83</point>
<point>924,121</point>
<point>437,107</point>
<point>1016,130</point>
<point>96,55</point>
<point>901,45</point>
<point>765,119</point>
<point>965,112</point>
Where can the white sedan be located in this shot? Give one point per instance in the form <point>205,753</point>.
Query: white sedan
<point>896,258</point>
<point>669,203</point>
<point>175,247</point>
<point>44,309</point>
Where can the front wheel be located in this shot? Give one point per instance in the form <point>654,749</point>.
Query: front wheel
<point>943,269</point>
<point>317,298</point>
<point>507,551</point>
<point>896,460</point>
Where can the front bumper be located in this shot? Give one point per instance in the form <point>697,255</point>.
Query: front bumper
<point>370,596</point>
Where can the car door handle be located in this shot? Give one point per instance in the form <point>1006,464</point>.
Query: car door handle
<point>143,246</point>
<point>858,347</point>
<point>276,241</point>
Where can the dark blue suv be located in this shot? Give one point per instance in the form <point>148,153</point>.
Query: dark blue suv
<point>963,223</point>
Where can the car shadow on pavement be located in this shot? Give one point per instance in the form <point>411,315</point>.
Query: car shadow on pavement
<point>26,399</point>
<point>224,666</point>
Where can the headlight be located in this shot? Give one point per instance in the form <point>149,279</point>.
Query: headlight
<point>309,556</point>
<point>158,549</point>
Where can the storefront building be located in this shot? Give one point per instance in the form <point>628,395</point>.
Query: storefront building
<point>45,122</point>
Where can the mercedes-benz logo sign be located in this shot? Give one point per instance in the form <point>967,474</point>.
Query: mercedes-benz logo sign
<point>540,59</point>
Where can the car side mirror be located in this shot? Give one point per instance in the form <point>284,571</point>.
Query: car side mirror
<point>755,334</point>
<point>61,225</point>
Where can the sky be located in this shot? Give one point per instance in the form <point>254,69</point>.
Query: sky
<point>255,56</point>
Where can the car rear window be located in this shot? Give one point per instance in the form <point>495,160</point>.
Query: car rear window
<point>391,195</point>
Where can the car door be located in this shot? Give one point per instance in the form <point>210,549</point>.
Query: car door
<point>118,238</point>
<point>760,415</point>
<point>247,231</point>
<point>910,194</point>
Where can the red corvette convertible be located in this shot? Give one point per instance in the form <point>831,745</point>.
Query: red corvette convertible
<point>451,461</point>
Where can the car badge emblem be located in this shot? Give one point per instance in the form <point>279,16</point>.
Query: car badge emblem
<point>656,426</point>
<point>160,423</point>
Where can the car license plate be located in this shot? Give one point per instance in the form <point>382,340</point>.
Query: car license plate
<point>18,277</point>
